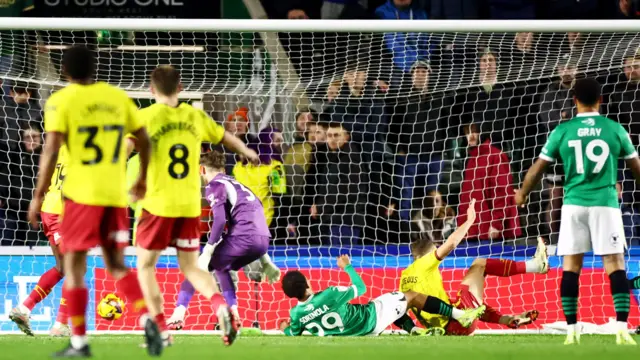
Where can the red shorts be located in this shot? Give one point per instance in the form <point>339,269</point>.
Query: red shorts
<point>51,228</point>
<point>464,300</point>
<point>158,233</point>
<point>87,226</point>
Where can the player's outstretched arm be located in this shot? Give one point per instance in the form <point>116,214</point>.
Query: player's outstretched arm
<point>454,239</point>
<point>344,263</point>
<point>534,175</point>
<point>130,144</point>
<point>139,188</point>
<point>237,146</point>
<point>48,160</point>
<point>634,164</point>
<point>291,327</point>
<point>219,220</point>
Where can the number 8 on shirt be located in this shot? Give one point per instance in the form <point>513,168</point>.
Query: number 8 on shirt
<point>171,207</point>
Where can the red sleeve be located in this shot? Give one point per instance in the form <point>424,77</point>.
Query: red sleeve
<point>500,186</point>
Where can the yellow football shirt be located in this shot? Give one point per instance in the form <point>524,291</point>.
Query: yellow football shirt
<point>94,118</point>
<point>52,203</point>
<point>173,179</point>
<point>423,276</point>
<point>263,180</point>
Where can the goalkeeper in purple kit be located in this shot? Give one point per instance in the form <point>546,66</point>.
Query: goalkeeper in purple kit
<point>246,240</point>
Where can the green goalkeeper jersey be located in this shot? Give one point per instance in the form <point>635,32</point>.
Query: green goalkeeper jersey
<point>589,146</point>
<point>328,313</point>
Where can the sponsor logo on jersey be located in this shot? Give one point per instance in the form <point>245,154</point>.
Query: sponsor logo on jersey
<point>589,122</point>
<point>309,307</point>
<point>409,280</point>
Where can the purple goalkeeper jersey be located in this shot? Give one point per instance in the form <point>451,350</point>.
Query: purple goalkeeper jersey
<point>234,204</point>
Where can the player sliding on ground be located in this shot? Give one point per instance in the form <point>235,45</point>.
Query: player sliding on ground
<point>246,239</point>
<point>91,119</point>
<point>424,277</point>
<point>329,312</point>
<point>589,146</point>
<point>50,216</point>
<point>171,209</point>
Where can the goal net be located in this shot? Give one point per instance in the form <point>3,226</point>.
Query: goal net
<point>388,131</point>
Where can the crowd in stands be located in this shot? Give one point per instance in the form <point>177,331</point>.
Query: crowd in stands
<point>403,129</point>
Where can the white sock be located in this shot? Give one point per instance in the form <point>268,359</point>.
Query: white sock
<point>57,324</point>
<point>533,266</point>
<point>573,328</point>
<point>143,320</point>
<point>78,341</point>
<point>622,326</point>
<point>456,313</point>
<point>179,312</point>
<point>164,335</point>
<point>24,309</point>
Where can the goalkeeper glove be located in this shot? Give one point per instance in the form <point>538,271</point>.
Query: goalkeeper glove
<point>205,258</point>
<point>269,269</point>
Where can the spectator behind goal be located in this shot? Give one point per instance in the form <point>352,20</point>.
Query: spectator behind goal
<point>18,174</point>
<point>487,178</point>
<point>19,110</point>
<point>267,180</point>
<point>405,48</point>
<point>237,124</point>
<point>299,159</point>
<point>341,183</point>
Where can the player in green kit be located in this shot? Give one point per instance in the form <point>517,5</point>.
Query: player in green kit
<point>589,146</point>
<point>328,313</point>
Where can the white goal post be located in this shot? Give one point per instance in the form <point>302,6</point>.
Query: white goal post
<point>406,92</point>
<point>257,25</point>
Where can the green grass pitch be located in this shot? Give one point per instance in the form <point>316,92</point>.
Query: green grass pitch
<point>494,347</point>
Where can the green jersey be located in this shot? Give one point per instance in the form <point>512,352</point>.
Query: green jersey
<point>328,313</point>
<point>589,146</point>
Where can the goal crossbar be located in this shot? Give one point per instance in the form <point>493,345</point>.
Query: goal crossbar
<point>376,26</point>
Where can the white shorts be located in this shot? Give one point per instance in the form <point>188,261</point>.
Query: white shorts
<point>593,228</point>
<point>389,308</point>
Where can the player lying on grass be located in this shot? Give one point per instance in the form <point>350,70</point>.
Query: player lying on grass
<point>50,216</point>
<point>247,237</point>
<point>590,147</point>
<point>329,313</point>
<point>423,276</point>
<point>171,209</point>
<point>91,118</point>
